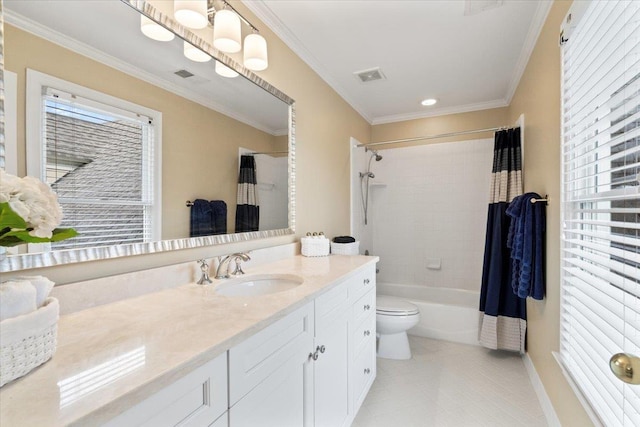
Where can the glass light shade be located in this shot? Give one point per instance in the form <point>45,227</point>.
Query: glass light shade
<point>227,34</point>
<point>195,54</point>
<point>225,71</point>
<point>191,13</point>
<point>255,52</point>
<point>154,31</point>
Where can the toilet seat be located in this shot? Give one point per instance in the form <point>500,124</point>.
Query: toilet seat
<point>391,306</point>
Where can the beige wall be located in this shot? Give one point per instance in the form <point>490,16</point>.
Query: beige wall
<point>199,145</point>
<point>538,97</point>
<point>324,124</point>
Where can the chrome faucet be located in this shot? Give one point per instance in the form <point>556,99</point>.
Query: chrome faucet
<point>238,258</point>
<point>204,268</point>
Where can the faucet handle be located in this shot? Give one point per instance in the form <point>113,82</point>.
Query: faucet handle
<point>238,258</point>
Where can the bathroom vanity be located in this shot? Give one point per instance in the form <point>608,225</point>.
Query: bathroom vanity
<point>189,356</point>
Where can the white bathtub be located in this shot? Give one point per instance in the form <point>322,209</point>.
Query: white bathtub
<point>445,314</point>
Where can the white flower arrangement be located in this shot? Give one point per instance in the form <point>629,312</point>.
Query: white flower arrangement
<point>29,212</point>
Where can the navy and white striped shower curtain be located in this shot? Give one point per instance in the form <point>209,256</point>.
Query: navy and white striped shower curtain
<point>247,209</point>
<point>503,315</point>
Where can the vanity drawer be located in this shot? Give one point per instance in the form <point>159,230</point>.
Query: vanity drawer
<point>363,333</point>
<point>364,372</point>
<point>196,399</point>
<point>363,282</point>
<point>253,360</point>
<point>331,305</point>
<point>365,306</point>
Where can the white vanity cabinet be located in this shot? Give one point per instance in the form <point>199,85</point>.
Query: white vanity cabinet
<point>363,336</point>
<point>313,368</point>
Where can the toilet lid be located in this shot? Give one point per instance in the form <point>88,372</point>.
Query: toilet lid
<point>394,306</point>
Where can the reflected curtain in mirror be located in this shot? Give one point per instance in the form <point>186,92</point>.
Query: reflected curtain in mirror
<point>247,210</point>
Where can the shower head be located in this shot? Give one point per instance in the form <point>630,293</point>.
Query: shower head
<point>374,153</point>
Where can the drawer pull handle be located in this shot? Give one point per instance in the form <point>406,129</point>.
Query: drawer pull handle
<point>367,333</point>
<point>313,356</point>
<point>320,349</point>
<point>367,307</point>
<point>366,281</point>
<point>367,371</point>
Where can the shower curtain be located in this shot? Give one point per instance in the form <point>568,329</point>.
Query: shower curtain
<point>503,315</point>
<point>247,210</point>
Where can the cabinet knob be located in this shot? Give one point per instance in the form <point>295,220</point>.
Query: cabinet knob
<point>367,371</point>
<point>314,356</point>
<point>367,307</point>
<point>366,281</point>
<point>320,349</point>
<point>367,333</point>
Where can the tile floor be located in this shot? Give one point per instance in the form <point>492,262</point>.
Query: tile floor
<point>450,384</point>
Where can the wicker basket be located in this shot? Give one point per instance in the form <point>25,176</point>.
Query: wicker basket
<point>315,246</point>
<point>28,341</point>
<point>345,248</point>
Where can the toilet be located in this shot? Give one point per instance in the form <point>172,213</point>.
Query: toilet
<point>394,316</point>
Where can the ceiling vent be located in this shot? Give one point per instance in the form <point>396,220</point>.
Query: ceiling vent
<point>184,74</point>
<point>474,7</point>
<point>370,75</point>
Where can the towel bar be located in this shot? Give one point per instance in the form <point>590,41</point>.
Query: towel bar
<point>545,200</point>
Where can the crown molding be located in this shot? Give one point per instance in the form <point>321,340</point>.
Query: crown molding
<point>539,18</point>
<point>266,15</point>
<point>90,52</point>
<point>498,103</point>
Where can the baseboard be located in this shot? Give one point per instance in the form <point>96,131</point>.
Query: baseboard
<point>543,398</point>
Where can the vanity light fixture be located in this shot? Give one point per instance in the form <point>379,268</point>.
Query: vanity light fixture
<point>225,71</point>
<point>255,52</point>
<point>191,13</point>
<point>195,54</point>
<point>429,101</point>
<point>154,31</point>
<point>227,32</point>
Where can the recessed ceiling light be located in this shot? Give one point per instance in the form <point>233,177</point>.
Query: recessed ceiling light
<point>429,101</point>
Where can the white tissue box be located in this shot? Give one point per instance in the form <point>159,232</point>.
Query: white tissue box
<point>345,248</point>
<point>28,341</point>
<point>315,246</point>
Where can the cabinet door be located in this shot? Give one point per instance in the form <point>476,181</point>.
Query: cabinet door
<point>331,373</point>
<point>283,399</point>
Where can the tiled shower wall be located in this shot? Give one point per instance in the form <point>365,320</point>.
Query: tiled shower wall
<point>430,207</point>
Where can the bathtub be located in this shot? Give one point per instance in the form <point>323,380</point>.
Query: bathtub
<point>445,314</point>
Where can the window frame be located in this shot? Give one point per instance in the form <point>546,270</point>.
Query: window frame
<point>35,157</point>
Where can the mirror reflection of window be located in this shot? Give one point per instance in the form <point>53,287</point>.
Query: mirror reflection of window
<point>98,158</point>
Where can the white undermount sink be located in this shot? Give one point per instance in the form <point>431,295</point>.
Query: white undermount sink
<point>258,284</point>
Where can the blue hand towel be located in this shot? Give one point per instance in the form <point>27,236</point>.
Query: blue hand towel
<point>219,216</point>
<point>201,219</point>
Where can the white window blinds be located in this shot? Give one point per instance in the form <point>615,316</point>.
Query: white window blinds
<point>99,160</point>
<point>600,274</point>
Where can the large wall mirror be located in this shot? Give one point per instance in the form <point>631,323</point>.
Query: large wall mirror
<point>83,70</point>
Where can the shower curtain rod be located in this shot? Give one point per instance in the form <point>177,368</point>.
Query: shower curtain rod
<point>442,135</point>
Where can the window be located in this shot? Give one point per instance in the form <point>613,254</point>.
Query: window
<point>100,155</point>
<point>600,266</point>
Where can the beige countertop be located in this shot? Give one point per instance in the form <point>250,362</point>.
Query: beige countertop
<point>111,357</point>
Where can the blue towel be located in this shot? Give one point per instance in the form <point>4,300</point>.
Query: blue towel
<point>218,216</point>
<point>201,224</point>
<point>526,241</point>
